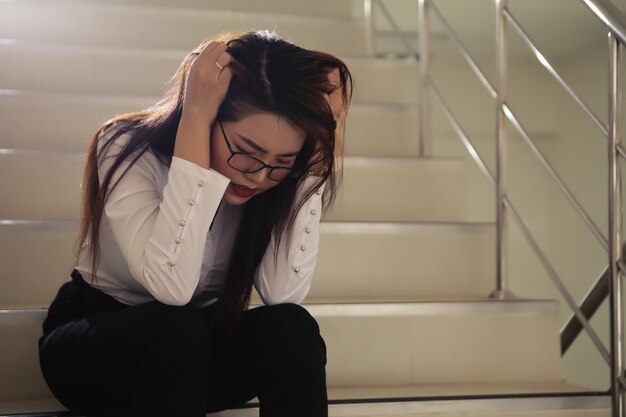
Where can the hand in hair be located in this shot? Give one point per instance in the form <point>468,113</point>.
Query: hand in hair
<point>206,85</point>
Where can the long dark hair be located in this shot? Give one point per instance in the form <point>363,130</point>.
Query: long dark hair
<point>270,75</point>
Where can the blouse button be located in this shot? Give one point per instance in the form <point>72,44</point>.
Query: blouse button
<point>307,230</point>
<point>178,241</point>
<point>182,223</point>
<point>170,263</point>
<point>302,248</point>
<point>318,192</point>
<point>313,212</point>
<point>296,269</point>
<point>192,202</point>
<point>201,183</point>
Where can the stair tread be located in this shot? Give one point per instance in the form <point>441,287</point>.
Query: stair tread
<point>422,391</point>
<point>435,390</point>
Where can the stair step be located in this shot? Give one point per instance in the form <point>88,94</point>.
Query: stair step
<point>400,344</point>
<point>418,343</point>
<point>359,403</point>
<point>97,25</point>
<point>33,281</point>
<point>591,405</point>
<point>371,129</point>
<point>402,189</point>
<point>395,261</point>
<point>133,71</point>
<point>354,262</point>
<point>344,8</point>
<point>423,189</point>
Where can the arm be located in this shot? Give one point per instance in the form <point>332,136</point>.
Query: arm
<point>289,279</point>
<point>161,230</point>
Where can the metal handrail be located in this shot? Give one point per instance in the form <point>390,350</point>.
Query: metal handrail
<point>480,74</point>
<point>618,388</point>
<point>501,291</point>
<point>616,23</point>
<point>610,15</point>
<point>591,303</point>
<point>558,283</point>
<point>397,29</point>
<point>579,314</point>
<point>463,50</point>
<point>543,61</point>
<point>533,243</point>
<point>471,149</point>
<point>570,196</point>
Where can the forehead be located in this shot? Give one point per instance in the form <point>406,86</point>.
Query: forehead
<point>270,131</point>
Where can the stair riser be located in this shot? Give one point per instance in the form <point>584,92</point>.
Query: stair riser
<point>405,263</point>
<point>441,349</point>
<point>46,187</point>
<point>144,73</point>
<point>402,190</point>
<point>155,27</point>
<point>67,122</point>
<point>367,265</point>
<point>20,374</point>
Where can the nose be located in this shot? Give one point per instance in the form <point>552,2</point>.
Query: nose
<point>259,177</point>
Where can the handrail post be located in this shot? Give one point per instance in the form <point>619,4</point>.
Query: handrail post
<point>615,227</point>
<point>424,92</point>
<point>501,290</point>
<point>369,27</point>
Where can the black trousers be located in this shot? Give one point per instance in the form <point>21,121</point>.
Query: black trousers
<point>101,357</point>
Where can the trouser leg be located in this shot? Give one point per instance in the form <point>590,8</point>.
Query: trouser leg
<point>278,355</point>
<point>146,360</point>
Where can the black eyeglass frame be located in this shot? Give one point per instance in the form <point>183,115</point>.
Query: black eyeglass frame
<point>293,172</point>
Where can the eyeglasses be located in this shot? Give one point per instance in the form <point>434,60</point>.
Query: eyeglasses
<point>244,162</point>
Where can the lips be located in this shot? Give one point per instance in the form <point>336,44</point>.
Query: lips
<point>241,190</point>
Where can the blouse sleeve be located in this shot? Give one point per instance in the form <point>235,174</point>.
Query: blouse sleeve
<point>161,230</point>
<point>288,279</point>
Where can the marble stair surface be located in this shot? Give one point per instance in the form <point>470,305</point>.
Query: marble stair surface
<point>401,284</point>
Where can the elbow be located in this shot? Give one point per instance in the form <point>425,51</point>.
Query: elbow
<point>275,296</point>
<point>173,299</point>
<point>167,288</point>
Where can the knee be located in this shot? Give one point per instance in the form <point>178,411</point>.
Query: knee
<point>299,333</point>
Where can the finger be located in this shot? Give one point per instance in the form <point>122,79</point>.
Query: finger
<point>224,59</point>
<point>216,52</point>
<point>225,76</point>
<point>209,48</point>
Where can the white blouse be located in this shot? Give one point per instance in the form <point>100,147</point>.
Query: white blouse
<point>155,242</point>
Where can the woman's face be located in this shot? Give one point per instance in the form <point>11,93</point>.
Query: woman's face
<point>267,137</point>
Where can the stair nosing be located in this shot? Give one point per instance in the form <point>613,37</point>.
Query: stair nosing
<point>178,53</point>
<point>355,106</point>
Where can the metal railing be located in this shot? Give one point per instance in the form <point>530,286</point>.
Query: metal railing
<point>610,280</point>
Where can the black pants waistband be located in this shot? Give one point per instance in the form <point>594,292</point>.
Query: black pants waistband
<point>76,299</point>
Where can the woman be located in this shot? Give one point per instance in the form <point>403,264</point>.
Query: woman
<point>186,206</point>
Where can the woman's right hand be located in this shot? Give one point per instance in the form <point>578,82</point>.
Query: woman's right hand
<point>205,88</point>
<point>206,84</point>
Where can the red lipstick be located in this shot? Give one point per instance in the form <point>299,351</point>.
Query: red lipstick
<point>241,191</point>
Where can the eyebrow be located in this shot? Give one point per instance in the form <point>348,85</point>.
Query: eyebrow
<point>253,144</point>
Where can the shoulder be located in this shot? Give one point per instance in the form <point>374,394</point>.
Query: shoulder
<point>111,144</point>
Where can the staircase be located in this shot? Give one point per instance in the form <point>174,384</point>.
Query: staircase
<point>402,279</point>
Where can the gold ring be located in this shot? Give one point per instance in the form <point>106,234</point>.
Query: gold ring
<point>219,67</point>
